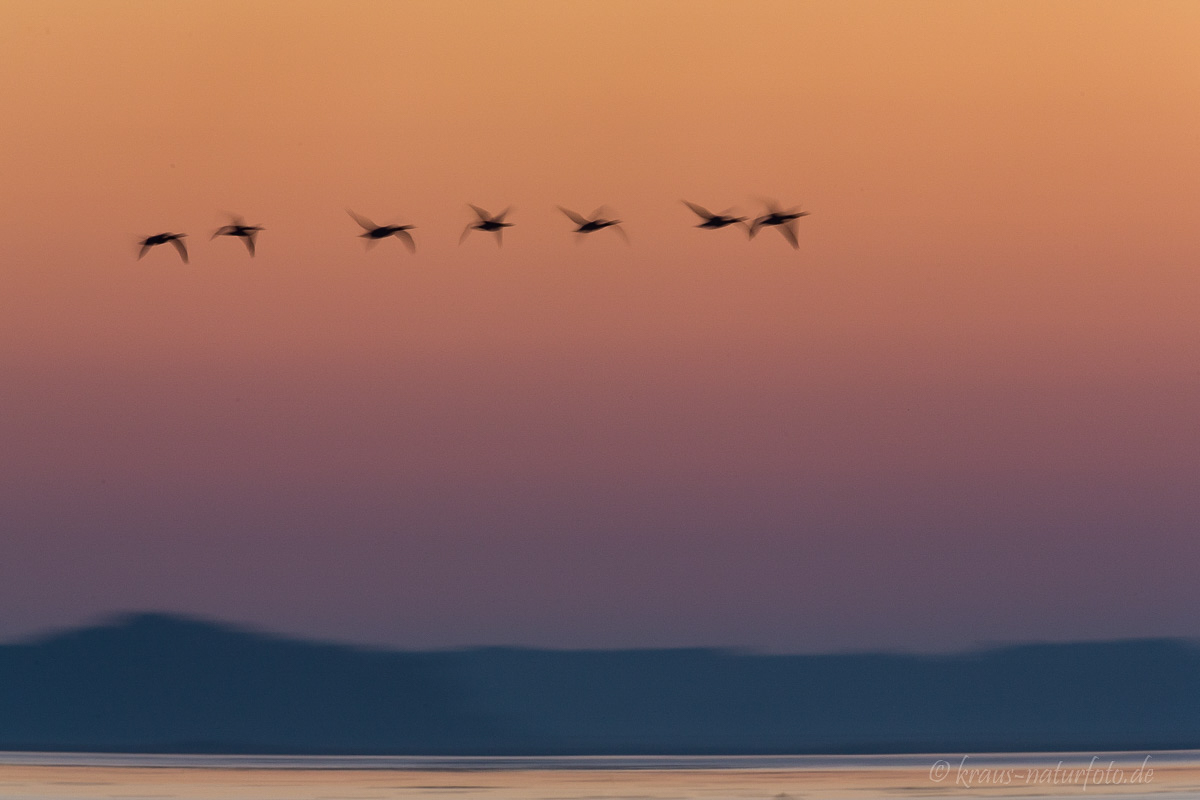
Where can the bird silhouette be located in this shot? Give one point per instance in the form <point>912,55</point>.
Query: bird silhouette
<point>374,233</point>
<point>597,223</point>
<point>175,239</point>
<point>239,228</point>
<point>783,221</point>
<point>714,221</point>
<point>487,223</point>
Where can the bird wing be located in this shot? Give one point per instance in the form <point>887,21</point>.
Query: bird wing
<point>483,215</point>
<point>699,211</point>
<point>182,248</point>
<point>224,230</point>
<point>789,232</point>
<point>406,237</point>
<point>145,249</point>
<point>755,227</point>
<point>578,220</point>
<point>499,237</point>
<point>771,205</point>
<point>621,230</point>
<point>365,223</point>
<point>250,242</point>
<point>500,217</point>
<point>466,232</point>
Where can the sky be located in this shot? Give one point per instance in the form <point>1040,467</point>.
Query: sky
<point>962,412</point>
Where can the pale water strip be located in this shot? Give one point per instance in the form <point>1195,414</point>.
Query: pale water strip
<point>1163,758</point>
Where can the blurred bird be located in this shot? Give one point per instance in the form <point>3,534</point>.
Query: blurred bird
<point>713,221</point>
<point>239,228</point>
<point>783,221</point>
<point>487,223</point>
<point>376,232</point>
<point>596,223</point>
<point>176,239</point>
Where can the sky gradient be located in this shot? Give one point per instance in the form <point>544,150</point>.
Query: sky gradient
<point>965,410</point>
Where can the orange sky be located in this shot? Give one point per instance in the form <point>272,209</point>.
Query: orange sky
<point>985,350</point>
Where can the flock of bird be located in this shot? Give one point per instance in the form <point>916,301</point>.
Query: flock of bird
<point>782,220</point>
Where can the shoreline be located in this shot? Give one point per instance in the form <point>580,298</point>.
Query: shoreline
<point>1172,773</point>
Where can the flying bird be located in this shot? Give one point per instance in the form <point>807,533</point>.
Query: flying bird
<point>714,221</point>
<point>783,221</point>
<point>596,223</point>
<point>239,228</point>
<point>487,223</point>
<point>175,239</point>
<point>374,233</point>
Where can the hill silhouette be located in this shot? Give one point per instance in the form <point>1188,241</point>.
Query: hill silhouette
<point>158,683</point>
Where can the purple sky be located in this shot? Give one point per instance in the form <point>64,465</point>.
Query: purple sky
<point>964,410</point>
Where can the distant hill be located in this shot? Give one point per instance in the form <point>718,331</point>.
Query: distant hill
<point>158,683</point>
